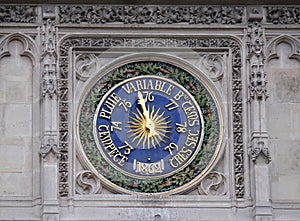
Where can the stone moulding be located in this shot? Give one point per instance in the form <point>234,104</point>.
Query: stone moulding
<point>72,42</point>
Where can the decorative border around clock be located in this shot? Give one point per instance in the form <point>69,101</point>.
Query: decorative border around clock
<point>201,42</point>
<point>173,183</point>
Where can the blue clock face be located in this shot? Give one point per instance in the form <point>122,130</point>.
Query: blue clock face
<point>148,127</point>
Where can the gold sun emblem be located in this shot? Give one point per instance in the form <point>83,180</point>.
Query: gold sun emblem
<point>148,128</point>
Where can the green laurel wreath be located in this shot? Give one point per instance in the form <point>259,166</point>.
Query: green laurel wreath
<point>205,101</point>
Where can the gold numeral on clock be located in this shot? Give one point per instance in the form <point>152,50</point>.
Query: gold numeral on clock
<point>148,168</point>
<point>125,104</point>
<point>172,105</point>
<point>171,147</point>
<point>149,96</point>
<point>115,125</point>
<point>181,128</point>
<point>128,148</point>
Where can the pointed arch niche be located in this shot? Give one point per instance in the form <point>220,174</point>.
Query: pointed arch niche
<point>19,89</point>
<point>283,75</point>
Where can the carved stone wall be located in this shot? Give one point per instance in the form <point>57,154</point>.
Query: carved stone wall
<point>51,54</point>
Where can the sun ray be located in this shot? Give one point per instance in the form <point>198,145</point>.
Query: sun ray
<point>154,117</point>
<point>134,131</point>
<point>153,142</point>
<point>138,118</point>
<point>151,132</point>
<point>156,140</point>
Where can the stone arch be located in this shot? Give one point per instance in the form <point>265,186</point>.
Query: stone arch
<point>272,48</point>
<point>29,48</point>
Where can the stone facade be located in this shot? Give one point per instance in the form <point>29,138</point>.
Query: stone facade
<point>51,55</point>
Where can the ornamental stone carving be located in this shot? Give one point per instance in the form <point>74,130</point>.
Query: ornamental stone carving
<point>28,48</point>
<point>260,148</point>
<point>18,14</point>
<point>283,15</point>
<point>50,145</point>
<point>257,85</point>
<point>49,58</point>
<point>213,65</point>
<point>150,14</point>
<point>213,184</point>
<point>272,49</point>
<point>258,82</point>
<point>87,183</point>
<point>85,66</point>
<point>237,100</point>
<point>256,56</point>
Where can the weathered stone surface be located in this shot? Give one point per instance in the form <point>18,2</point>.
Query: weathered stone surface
<point>287,86</point>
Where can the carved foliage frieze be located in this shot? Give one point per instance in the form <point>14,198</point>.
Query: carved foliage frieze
<point>128,14</point>
<point>87,183</point>
<point>148,43</point>
<point>283,15</point>
<point>18,13</point>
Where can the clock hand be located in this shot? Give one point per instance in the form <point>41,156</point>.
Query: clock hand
<point>149,123</point>
<point>151,128</point>
<point>142,102</point>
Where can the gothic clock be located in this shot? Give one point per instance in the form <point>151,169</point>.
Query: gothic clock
<point>149,127</point>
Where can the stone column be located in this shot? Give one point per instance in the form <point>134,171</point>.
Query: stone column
<point>258,150</point>
<point>49,149</point>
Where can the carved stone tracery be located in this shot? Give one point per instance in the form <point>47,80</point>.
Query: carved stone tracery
<point>85,66</point>
<point>214,184</point>
<point>28,47</point>
<point>87,183</point>
<point>272,48</point>
<point>213,65</point>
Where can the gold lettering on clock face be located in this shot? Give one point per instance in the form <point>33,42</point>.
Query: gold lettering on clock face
<point>148,126</point>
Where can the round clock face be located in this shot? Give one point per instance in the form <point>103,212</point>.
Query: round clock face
<point>148,126</point>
